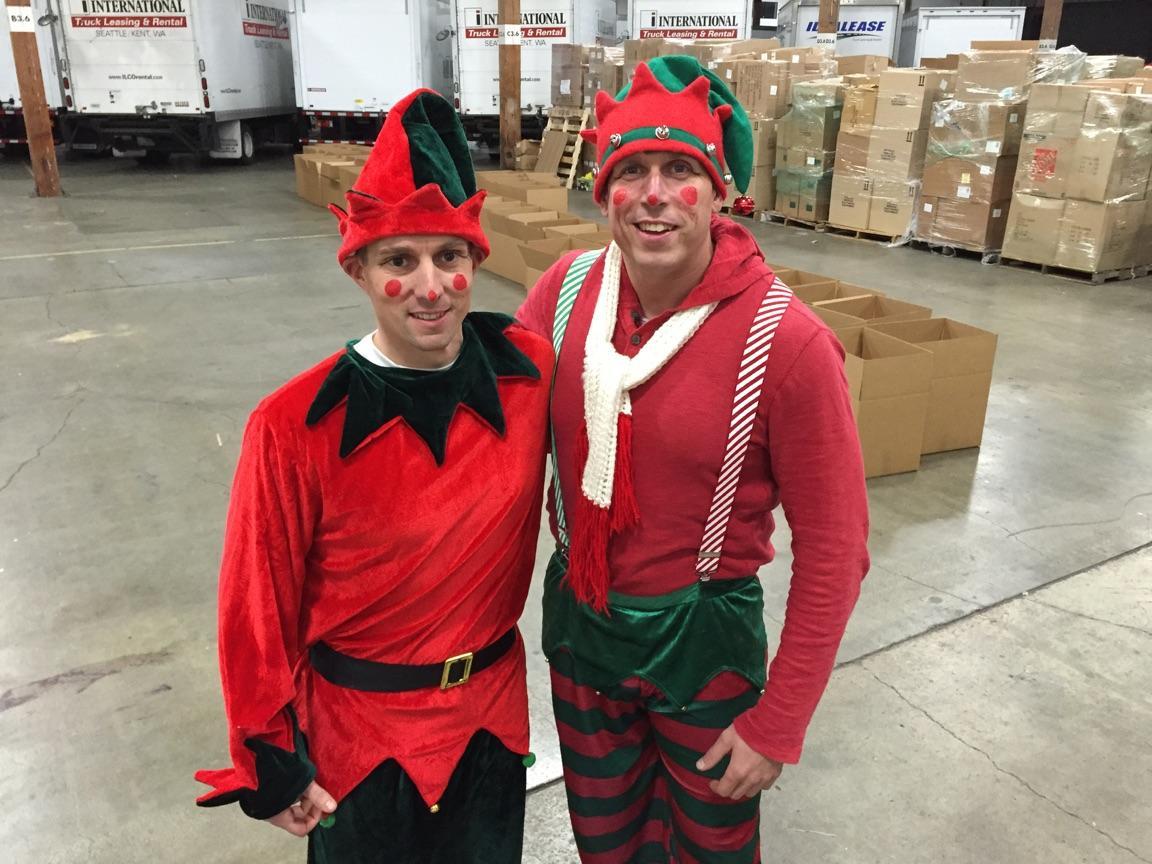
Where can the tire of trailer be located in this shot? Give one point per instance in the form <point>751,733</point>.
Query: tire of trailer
<point>247,144</point>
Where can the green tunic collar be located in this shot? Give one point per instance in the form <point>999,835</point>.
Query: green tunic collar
<point>427,401</point>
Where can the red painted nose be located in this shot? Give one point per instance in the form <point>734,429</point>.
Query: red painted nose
<point>652,199</point>
<point>432,295</point>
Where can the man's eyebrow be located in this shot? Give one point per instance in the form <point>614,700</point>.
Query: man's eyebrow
<point>389,251</point>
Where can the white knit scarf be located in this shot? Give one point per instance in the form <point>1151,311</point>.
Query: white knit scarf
<point>608,376</point>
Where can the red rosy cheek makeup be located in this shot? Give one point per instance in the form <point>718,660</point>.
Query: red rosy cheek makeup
<point>619,196</point>
<point>460,282</point>
<point>690,195</point>
<point>392,288</point>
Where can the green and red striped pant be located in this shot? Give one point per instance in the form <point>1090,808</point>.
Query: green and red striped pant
<point>634,793</point>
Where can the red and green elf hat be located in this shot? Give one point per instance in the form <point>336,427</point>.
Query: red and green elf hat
<point>674,104</point>
<point>417,180</point>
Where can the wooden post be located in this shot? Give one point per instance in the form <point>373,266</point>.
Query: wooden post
<point>1050,24</point>
<point>829,24</point>
<point>37,122</point>
<point>510,38</point>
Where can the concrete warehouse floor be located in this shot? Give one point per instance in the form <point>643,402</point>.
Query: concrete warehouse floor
<point>144,315</point>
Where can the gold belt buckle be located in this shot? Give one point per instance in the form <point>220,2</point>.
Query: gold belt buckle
<point>446,682</point>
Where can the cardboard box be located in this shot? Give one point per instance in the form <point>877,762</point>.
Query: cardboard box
<point>976,181</point>
<point>1110,165</point>
<point>877,309</point>
<point>815,198</point>
<point>851,199</point>
<point>995,75</point>
<point>811,128</point>
<point>969,129</point>
<point>852,147</point>
<point>1045,164</point>
<point>1095,238</point>
<point>837,320</point>
<point>821,292</point>
<point>889,381</point>
<point>802,279</point>
<point>949,62</point>
<point>861,64</point>
<point>763,87</point>
<point>504,256</point>
<point>307,167</point>
<point>962,359</point>
<point>805,161</point>
<point>896,154</point>
<point>332,188</point>
<point>1033,228</point>
<point>573,229</point>
<point>567,75</point>
<point>892,210</point>
<point>968,224</point>
<point>859,106</point>
<point>787,193</point>
<point>1057,108</point>
<point>905,96</point>
<point>763,141</point>
<point>762,186</point>
<point>528,226</point>
<point>1105,110</point>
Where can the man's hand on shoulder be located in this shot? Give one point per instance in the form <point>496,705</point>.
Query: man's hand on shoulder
<point>748,772</point>
<point>299,819</point>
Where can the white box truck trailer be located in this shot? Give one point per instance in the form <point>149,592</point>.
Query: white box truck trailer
<point>344,86</point>
<point>12,132</point>
<point>865,26</point>
<point>939,31</point>
<point>543,23</point>
<point>689,19</point>
<point>212,77</point>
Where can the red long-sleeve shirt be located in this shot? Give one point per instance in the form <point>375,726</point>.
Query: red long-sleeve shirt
<point>804,455</point>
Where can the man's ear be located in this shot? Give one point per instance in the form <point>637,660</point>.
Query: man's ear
<point>717,201</point>
<point>353,265</point>
<point>604,201</point>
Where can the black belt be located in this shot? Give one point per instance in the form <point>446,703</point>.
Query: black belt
<point>357,674</point>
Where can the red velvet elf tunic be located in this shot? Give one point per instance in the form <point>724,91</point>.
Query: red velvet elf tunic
<point>384,554</point>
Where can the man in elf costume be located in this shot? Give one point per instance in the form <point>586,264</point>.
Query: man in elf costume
<point>380,543</point>
<point>693,393</point>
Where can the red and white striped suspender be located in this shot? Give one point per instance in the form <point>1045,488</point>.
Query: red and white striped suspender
<point>749,385</point>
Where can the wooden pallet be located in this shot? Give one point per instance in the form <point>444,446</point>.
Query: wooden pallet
<point>869,236</point>
<point>785,219</point>
<point>561,144</point>
<point>1081,276</point>
<point>958,250</point>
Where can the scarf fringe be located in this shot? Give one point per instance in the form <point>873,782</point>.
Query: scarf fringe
<point>625,511</point>
<point>591,528</point>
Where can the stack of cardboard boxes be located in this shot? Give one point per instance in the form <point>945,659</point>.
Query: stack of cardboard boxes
<point>1081,186</point>
<point>918,384</point>
<point>579,71</point>
<point>806,150</point>
<point>324,172</point>
<point>880,155</point>
<point>967,188</point>
<point>707,51</point>
<point>528,226</point>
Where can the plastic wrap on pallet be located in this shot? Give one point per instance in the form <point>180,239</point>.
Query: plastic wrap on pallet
<point>1098,66</point>
<point>805,149</point>
<point>1081,186</point>
<point>998,76</point>
<point>968,173</point>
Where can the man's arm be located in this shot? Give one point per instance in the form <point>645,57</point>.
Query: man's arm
<point>816,463</point>
<point>268,533</point>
